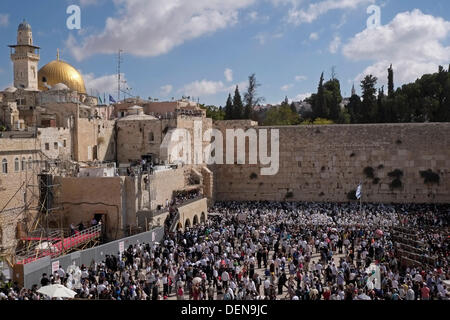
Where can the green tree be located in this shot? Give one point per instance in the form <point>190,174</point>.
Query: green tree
<point>282,116</point>
<point>319,106</point>
<point>369,103</point>
<point>317,121</point>
<point>238,107</point>
<point>229,108</point>
<point>213,112</point>
<point>354,109</point>
<point>251,98</point>
<point>293,108</point>
<point>381,117</point>
<point>333,98</point>
<point>390,81</point>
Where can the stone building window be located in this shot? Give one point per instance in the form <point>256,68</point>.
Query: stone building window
<point>4,166</point>
<point>65,143</point>
<point>30,163</point>
<point>55,145</point>
<point>151,137</point>
<point>23,164</point>
<point>16,164</point>
<point>47,146</point>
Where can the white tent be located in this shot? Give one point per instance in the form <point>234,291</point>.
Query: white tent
<point>57,291</point>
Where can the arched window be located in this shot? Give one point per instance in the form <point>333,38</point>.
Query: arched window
<point>4,166</point>
<point>24,164</point>
<point>151,137</point>
<point>16,164</point>
<point>30,163</point>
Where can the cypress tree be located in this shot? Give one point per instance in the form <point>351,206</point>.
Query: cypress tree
<point>229,108</point>
<point>238,107</point>
<point>390,81</point>
<point>319,107</point>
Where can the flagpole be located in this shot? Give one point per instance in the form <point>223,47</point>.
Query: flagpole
<point>360,203</point>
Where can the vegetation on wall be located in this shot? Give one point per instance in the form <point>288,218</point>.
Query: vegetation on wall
<point>396,184</point>
<point>430,177</point>
<point>289,195</point>
<point>397,174</point>
<point>351,195</point>
<point>369,172</point>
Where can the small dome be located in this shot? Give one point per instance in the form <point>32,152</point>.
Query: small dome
<point>59,86</point>
<point>24,26</point>
<point>10,89</point>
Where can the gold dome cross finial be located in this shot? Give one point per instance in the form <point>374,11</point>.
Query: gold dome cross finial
<point>57,54</point>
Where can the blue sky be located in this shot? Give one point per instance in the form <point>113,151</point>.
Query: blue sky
<point>174,48</point>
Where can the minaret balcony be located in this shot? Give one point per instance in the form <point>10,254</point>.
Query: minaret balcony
<point>25,55</point>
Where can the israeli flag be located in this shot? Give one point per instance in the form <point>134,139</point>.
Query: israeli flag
<point>359,192</point>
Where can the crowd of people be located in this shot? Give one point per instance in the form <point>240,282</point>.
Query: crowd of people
<point>273,251</point>
<point>183,196</point>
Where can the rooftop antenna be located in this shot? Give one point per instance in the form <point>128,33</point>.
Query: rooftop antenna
<point>119,62</point>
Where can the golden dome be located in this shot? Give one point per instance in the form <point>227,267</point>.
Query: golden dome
<point>59,71</point>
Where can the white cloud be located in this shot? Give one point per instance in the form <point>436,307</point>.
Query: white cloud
<point>300,78</point>
<point>413,42</point>
<point>165,90</point>
<point>264,37</point>
<point>287,87</point>
<point>315,10</point>
<point>302,96</point>
<point>149,28</point>
<point>4,20</point>
<point>335,44</point>
<point>208,88</point>
<point>285,2</point>
<point>103,84</point>
<point>254,16</point>
<point>203,88</point>
<point>228,75</point>
<point>314,36</point>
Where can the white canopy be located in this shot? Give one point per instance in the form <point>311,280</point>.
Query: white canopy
<point>57,291</point>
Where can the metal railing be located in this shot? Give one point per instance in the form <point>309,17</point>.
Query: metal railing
<point>55,245</point>
<point>174,223</point>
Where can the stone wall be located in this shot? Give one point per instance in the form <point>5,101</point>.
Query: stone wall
<point>325,163</point>
<point>163,184</point>
<point>81,198</point>
<point>191,214</point>
<point>91,135</point>
<point>55,142</point>
<point>139,137</point>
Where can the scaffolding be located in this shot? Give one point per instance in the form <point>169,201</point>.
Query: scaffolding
<point>38,225</point>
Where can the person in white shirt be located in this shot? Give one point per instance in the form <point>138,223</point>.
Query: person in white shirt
<point>225,278</point>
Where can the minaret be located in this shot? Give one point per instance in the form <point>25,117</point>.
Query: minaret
<point>25,57</point>
<point>353,90</point>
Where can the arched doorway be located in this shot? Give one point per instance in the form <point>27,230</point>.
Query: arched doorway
<point>195,222</point>
<point>187,224</point>
<point>202,218</point>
